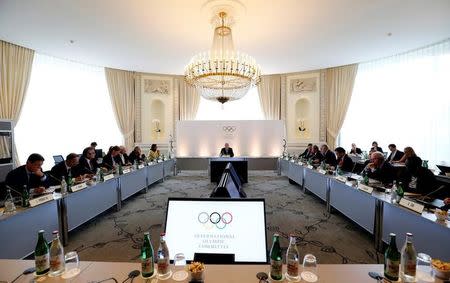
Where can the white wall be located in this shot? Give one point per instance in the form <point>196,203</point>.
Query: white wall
<point>247,138</point>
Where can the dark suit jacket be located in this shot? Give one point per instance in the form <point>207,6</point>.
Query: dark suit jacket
<point>357,151</point>
<point>317,155</point>
<point>345,163</point>
<point>229,152</point>
<point>385,174</point>
<point>84,168</point>
<point>306,154</point>
<point>136,156</point>
<point>426,181</point>
<point>18,178</point>
<point>398,155</point>
<point>108,161</point>
<point>60,171</point>
<point>378,149</point>
<point>330,158</point>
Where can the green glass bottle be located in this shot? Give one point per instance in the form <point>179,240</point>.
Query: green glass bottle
<point>276,262</point>
<point>392,260</point>
<point>147,260</point>
<point>400,191</point>
<point>120,169</point>
<point>70,182</point>
<point>42,255</point>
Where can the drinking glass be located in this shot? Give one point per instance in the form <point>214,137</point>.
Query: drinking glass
<point>309,273</point>
<point>72,265</point>
<point>424,270</point>
<point>179,262</point>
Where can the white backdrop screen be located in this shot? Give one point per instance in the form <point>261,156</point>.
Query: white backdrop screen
<point>217,227</point>
<point>247,138</point>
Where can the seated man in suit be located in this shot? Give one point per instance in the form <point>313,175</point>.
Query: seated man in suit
<point>328,155</point>
<point>344,162</point>
<point>379,169</point>
<point>110,159</point>
<point>355,150</point>
<point>122,157</point>
<point>395,154</point>
<point>308,152</point>
<point>87,164</point>
<point>65,168</point>
<point>226,151</point>
<point>317,156</point>
<point>28,176</point>
<point>375,148</point>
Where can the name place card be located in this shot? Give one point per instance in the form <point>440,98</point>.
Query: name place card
<point>349,183</point>
<point>40,200</point>
<point>79,187</point>
<point>365,188</point>
<point>292,160</point>
<point>300,163</point>
<point>341,179</point>
<point>414,206</point>
<point>321,171</point>
<point>150,163</point>
<point>108,177</point>
<point>125,171</point>
<point>141,166</point>
<point>310,167</point>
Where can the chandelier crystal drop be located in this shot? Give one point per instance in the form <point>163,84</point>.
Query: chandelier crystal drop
<point>222,74</point>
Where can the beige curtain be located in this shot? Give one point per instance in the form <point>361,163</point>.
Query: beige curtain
<point>269,90</point>
<point>121,92</point>
<point>338,88</point>
<point>15,63</point>
<point>189,100</point>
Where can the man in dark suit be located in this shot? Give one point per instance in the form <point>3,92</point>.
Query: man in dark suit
<point>29,175</point>
<point>64,168</point>
<point>355,149</point>
<point>122,157</point>
<point>375,147</point>
<point>329,156</point>
<point>395,154</point>
<point>227,150</point>
<point>317,156</point>
<point>343,161</point>
<point>110,159</point>
<point>308,152</point>
<point>380,170</point>
<point>87,163</point>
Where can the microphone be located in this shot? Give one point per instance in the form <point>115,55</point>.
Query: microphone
<point>17,192</point>
<point>89,170</point>
<point>427,195</point>
<point>54,178</point>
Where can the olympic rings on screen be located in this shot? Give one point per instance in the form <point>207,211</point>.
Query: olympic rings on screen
<point>215,219</point>
<point>229,129</point>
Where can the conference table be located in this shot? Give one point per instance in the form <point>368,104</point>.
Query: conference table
<point>98,271</point>
<point>18,232</point>
<point>373,210</point>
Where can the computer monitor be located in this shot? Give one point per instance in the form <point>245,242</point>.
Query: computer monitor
<point>217,226</point>
<point>444,169</point>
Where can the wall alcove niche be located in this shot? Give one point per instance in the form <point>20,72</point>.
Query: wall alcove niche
<point>303,118</point>
<point>157,118</point>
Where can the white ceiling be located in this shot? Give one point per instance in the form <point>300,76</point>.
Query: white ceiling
<point>160,36</point>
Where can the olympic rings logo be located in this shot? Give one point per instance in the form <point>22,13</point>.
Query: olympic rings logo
<point>220,221</point>
<point>229,129</point>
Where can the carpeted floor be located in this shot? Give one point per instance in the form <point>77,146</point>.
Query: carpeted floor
<point>117,236</point>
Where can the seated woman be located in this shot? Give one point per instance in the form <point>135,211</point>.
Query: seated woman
<point>153,154</point>
<point>136,155</point>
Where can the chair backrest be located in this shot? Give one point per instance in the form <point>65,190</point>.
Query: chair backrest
<point>58,158</point>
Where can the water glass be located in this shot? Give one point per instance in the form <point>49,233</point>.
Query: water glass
<point>72,265</point>
<point>179,262</point>
<point>309,273</point>
<point>424,270</point>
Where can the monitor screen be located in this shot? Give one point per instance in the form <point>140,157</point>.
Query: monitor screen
<point>217,226</point>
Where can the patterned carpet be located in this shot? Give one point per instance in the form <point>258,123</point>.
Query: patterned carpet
<point>117,236</point>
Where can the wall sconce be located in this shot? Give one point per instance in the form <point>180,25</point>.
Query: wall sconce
<point>301,126</point>
<point>157,128</point>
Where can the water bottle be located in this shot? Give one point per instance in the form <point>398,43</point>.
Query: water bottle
<point>163,257</point>
<point>63,187</point>
<point>394,193</point>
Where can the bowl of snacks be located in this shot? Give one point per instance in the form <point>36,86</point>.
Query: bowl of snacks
<point>441,215</point>
<point>441,268</point>
<point>196,269</point>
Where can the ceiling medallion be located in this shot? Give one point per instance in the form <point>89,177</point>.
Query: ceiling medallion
<point>222,74</point>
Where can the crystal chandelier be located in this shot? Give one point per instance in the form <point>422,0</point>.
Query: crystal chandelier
<point>222,74</point>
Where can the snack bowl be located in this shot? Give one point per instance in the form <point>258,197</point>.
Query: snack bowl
<point>441,269</point>
<point>441,215</point>
<point>196,271</point>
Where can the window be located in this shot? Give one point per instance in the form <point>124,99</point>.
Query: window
<point>67,106</point>
<point>405,100</point>
<point>246,108</point>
